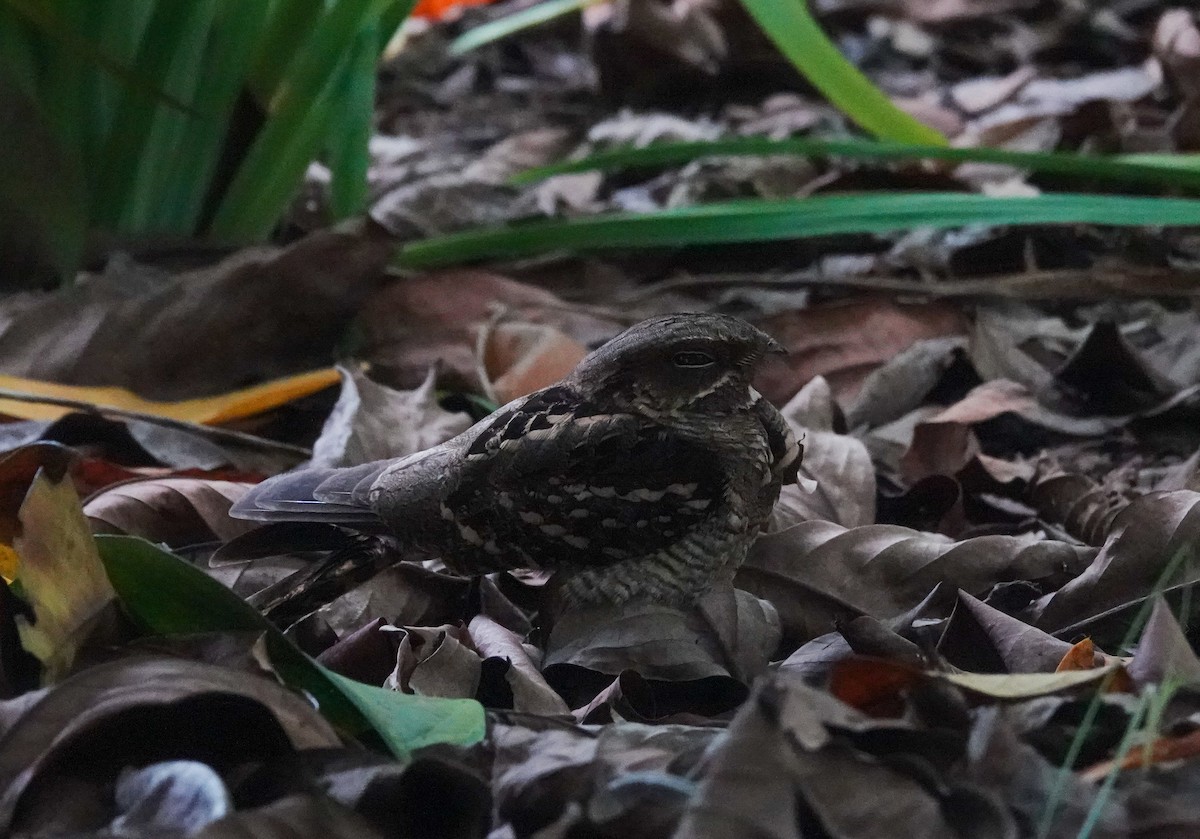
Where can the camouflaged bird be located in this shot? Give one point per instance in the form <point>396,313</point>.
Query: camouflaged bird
<point>645,474</point>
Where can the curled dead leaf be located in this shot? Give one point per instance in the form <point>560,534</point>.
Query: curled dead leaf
<point>816,572</point>
<point>374,422</point>
<point>176,511</point>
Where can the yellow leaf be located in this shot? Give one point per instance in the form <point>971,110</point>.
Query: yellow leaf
<point>60,573</point>
<point>8,563</point>
<point>1028,685</point>
<point>208,410</point>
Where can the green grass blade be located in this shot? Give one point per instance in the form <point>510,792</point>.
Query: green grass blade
<point>1182,558</point>
<point>129,150</point>
<point>43,193</point>
<point>536,15</point>
<point>43,18</point>
<point>750,221</point>
<point>288,26</point>
<point>348,153</point>
<point>1104,794</point>
<point>223,66</point>
<point>172,141</point>
<point>1169,171</point>
<point>295,126</point>
<point>168,596</point>
<point>18,55</point>
<point>790,25</point>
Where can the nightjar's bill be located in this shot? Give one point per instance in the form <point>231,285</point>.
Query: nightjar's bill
<point>645,474</point>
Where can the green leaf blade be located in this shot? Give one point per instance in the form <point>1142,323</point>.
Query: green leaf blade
<point>762,220</point>
<point>168,596</point>
<point>1175,171</point>
<point>790,25</point>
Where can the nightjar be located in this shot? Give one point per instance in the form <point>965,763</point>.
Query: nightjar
<point>645,474</point>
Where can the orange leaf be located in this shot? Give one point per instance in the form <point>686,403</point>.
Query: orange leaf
<point>1082,656</point>
<point>208,410</point>
<point>1162,750</point>
<point>439,9</point>
<point>873,686</point>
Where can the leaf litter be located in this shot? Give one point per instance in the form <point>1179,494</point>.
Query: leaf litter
<point>975,618</point>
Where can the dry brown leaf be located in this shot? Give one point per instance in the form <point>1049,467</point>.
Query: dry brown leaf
<point>904,381</point>
<point>204,331</point>
<point>844,476</point>
<point>294,816</point>
<point>1009,686</point>
<point>556,775</point>
<point>938,448</point>
<point>982,639</point>
<point>1164,655</point>
<point>403,594</point>
<point>225,407</point>
<point>176,511</point>
<point>874,687</point>
<point>818,572</point>
<point>435,318</point>
<point>1161,750</point>
<point>530,693</point>
<point>783,757</point>
<point>846,342</point>
<point>1149,535</point>
<point>730,633</point>
<point>373,422</point>
<point>519,358</point>
<point>436,661</point>
<point>1082,507</point>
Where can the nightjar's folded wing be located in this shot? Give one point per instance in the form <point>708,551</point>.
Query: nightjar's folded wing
<point>319,495</point>
<point>553,481</point>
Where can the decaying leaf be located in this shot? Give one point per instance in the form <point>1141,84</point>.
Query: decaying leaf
<point>175,511</point>
<point>784,761</point>
<point>199,332</point>
<point>373,422</point>
<point>844,476</point>
<point>845,343</point>
<point>519,358</point>
<point>1151,545</point>
<point>731,634</point>
<point>60,573</point>
<point>816,573</point>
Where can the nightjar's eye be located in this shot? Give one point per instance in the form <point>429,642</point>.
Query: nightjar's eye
<point>693,358</point>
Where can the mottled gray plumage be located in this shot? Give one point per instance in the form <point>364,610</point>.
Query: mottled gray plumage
<point>645,474</point>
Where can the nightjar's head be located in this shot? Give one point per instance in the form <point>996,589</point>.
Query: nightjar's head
<point>684,362</point>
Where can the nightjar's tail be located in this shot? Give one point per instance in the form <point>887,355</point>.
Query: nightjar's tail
<point>330,495</point>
